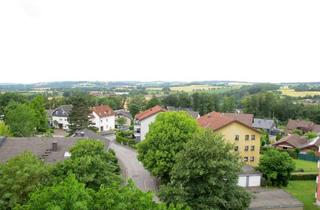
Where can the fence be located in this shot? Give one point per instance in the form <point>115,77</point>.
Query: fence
<point>308,157</point>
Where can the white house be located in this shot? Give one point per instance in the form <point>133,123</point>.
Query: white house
<point>59,117</point>
<point>103,118</point>
<point>144,119</point>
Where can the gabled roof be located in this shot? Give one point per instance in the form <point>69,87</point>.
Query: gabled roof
<point>103,111</point>
<point>148,113</point>
<point>217,120</point>
<point>313,143</point>
<point>263,123</point>
<point>123,113</point>
<point>192,113</point>
<point>294,140</point>
<point>62,111</point>
<point>303,124</point>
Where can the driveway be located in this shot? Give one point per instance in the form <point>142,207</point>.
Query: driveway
<point>132,168</point>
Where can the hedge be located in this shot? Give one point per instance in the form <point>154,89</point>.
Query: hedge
<point>126,141</point>
<point>304,176</point>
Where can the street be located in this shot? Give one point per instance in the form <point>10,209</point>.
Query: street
<point>132,168</point>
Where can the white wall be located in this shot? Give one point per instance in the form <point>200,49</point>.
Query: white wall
<point>145,125</point>
<point>108,123</point>
<point>61,120</point>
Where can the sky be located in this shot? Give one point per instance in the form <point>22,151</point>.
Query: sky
<point>168,40</point>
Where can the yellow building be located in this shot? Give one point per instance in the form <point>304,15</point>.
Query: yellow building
<point>236,129</point>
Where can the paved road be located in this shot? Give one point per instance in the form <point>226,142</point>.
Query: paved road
<point>132,168</point>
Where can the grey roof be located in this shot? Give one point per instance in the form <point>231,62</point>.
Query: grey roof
<point>42,147</point>
<point>263,123</point>
<point>247,170</point>
<point>123,113</point>
<point>192,113</point>
<point>62,111</point>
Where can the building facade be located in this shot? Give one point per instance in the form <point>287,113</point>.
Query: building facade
<point>59,117</point>
<point>103,118</point>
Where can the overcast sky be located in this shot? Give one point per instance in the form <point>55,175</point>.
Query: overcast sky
<point>146,40</point>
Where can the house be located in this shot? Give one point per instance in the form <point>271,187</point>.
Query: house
<point>267,125</point>
<point>303,125</point>
<point>59,117</point>
<point>236,129</point>
<point>121,113</point>
<point>193,114</point>
<point>144,119</point>
<point>103,118</point>
<point>291,142</point>
<point>298,142</point>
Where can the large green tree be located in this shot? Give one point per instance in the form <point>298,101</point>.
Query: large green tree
<point>69,194</point>
<point>79,116</point>
<point>276,167</point>
<point>126,197</point>
<point>19,177</point>
<point>164,140</point>
<point>21,119</point>
<point>205,175</point>
<point>38,105</point>
<point>91,164</point>
<point>136,104</point>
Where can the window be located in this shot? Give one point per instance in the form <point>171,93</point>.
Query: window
<point>252,158</point>
<point>252,148</point>
<point>246,148</point>
<point>236,148</point>
<point>237,138</point>
<point>245,159</point>
<point>247,137</point>
<point>253,137</point>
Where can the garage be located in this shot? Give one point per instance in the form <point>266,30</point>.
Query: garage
<point>249,177</point>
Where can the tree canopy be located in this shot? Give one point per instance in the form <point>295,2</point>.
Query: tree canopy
<point>205,175</point>
<point>164,140</point>
<point>276,174</point>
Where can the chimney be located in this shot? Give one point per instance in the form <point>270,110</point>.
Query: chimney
<point>54,146</point>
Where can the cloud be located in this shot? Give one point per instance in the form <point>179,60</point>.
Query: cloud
<point>30,7</point>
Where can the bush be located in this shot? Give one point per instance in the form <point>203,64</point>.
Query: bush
<point>304,176</point>
<point>126,141</point>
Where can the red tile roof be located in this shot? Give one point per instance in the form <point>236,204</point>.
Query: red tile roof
<point>217,120</point>
<point>103,111</point>
<point>149,112</point>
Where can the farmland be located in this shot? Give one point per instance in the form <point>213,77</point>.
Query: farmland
<point>291,92</point>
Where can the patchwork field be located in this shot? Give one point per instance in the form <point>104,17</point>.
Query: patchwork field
<point>191,88</point>
<point>291,92</point>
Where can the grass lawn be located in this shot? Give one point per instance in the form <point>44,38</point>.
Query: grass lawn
<point>307,166</point>
<point>304,192</point>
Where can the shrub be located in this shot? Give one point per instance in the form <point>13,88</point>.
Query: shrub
<point>304,176</point>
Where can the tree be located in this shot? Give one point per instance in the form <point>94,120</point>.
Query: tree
<point>152,102</point>
<point>126,197</point>
<point>20,176</point>
<point>121,121</point>
<point>4,129</point>
<point>21,119</point>
<point>38,105</point>
<point>276,174</point>
<point>164,140</point>
<point>310,135</point>
<point>205,175</point>
<point>136,104</point>
<point>91,164</point>
<point>68,194</point>
<point>79,115</point>
<point>8,97</point>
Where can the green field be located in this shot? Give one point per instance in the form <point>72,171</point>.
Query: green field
<point>191,88</point>
<point>307,166</point>
<point>291,92</point>
<point>304,191</point>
